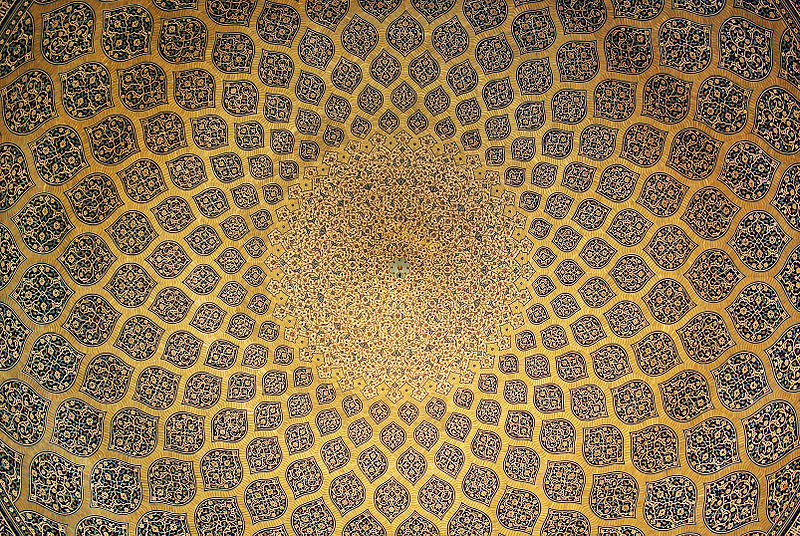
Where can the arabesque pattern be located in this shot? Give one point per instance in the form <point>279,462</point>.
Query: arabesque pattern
<point>399,267</point>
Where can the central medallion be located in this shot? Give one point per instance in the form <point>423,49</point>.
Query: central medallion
<point>401,204</point>
<point>399,267</point>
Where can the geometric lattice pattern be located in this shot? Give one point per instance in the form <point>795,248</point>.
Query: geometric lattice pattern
<point>399,267</point>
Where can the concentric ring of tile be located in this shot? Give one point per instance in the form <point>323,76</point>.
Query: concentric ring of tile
<point>205,208</point>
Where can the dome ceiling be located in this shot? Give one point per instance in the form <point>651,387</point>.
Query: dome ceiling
<point>398,268</point>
